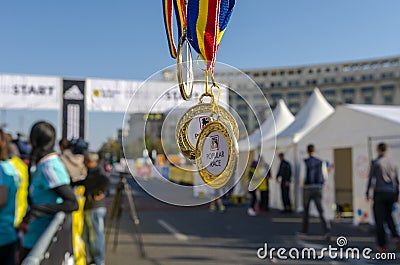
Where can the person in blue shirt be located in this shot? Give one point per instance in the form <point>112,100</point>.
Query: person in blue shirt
<point>315,176</point>
<point>49,189</point>
<point>9,182</point>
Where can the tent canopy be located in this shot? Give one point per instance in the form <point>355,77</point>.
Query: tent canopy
<point>313,113</point>
<point>391,113</point>
<point>280,119</point>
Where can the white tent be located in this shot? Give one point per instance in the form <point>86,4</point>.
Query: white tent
<point>316,110</point>
<point>347,140</point>
<point>280,119</point>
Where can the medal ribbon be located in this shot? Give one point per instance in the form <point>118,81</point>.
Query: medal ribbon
<point>180,14</point>
<point>206,23</point>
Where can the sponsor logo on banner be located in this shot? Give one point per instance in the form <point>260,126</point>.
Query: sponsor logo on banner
<point>73,93</point>
<point>106,93</point>
<point>73,114</point>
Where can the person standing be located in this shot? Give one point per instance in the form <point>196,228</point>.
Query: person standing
<point>315,176</point>
<point>384,173</point>
<point>285,175</point>
<point>72,162</point>
<point>251,211</point>
<point>96,184</point>
<point>49,190</point>
<point>265,174</point>
<point>9,182</point>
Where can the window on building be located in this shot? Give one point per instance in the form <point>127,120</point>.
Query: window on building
<point>368,100</point>
<point>367,89</point>
<point>276,96</point>
<point>258,96</point>
<point>387,75</point>
<point>329,93</point>
<point>387,88</point>
<point>348,91</point>
<point>308,93</point>
<point>242,107</point>
<point>388,99</point>
<point>294,105</point>
<point>348,101</point>
<point>293,95</point>
<point>348,79</point>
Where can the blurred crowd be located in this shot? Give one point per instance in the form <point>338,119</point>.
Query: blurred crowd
<point>36,182</point>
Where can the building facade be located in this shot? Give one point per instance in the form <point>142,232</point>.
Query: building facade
<point>374,81</point>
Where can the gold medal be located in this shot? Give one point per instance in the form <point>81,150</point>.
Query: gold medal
<point>194,120</point>
<point>216,154</point>
<point>185,72</point>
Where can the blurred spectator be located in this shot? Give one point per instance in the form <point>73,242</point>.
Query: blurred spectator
<point>96,184</point>
<point>12,147</point>
<point>72,161</point>
<point>253,200</point>
<point>50,190</point>
<point>216,200</point>
<point>264,172</point>
<point>285,175</point>
<point>23,147</point>
<point>315,175</point>
<point>259,175</point>
<point>384,178</point>
<point>9,182</point>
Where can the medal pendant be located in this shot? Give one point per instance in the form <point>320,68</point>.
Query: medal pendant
<point>216,154</point>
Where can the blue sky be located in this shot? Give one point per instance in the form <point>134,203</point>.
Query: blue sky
<point>126,40</point>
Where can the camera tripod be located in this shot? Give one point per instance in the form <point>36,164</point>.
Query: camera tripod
<point>116,212</point>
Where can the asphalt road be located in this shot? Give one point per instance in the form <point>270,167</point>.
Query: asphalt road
<point>173,235</point>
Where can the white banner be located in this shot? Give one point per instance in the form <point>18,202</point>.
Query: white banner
<point>29,92</point>
<point>109,95</point>
<point>146,97</point>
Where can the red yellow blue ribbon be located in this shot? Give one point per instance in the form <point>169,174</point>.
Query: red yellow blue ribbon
<point>206,23</point>
<point>179,7</point>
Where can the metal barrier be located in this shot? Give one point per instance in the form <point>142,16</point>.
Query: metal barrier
<point>55,245</point>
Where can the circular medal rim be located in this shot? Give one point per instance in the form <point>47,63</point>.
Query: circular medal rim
<point>181,83</point>
<point>211,180</point>
<point>181,133</point>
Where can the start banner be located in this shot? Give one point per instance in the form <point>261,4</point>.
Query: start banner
<point>30,92</point>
